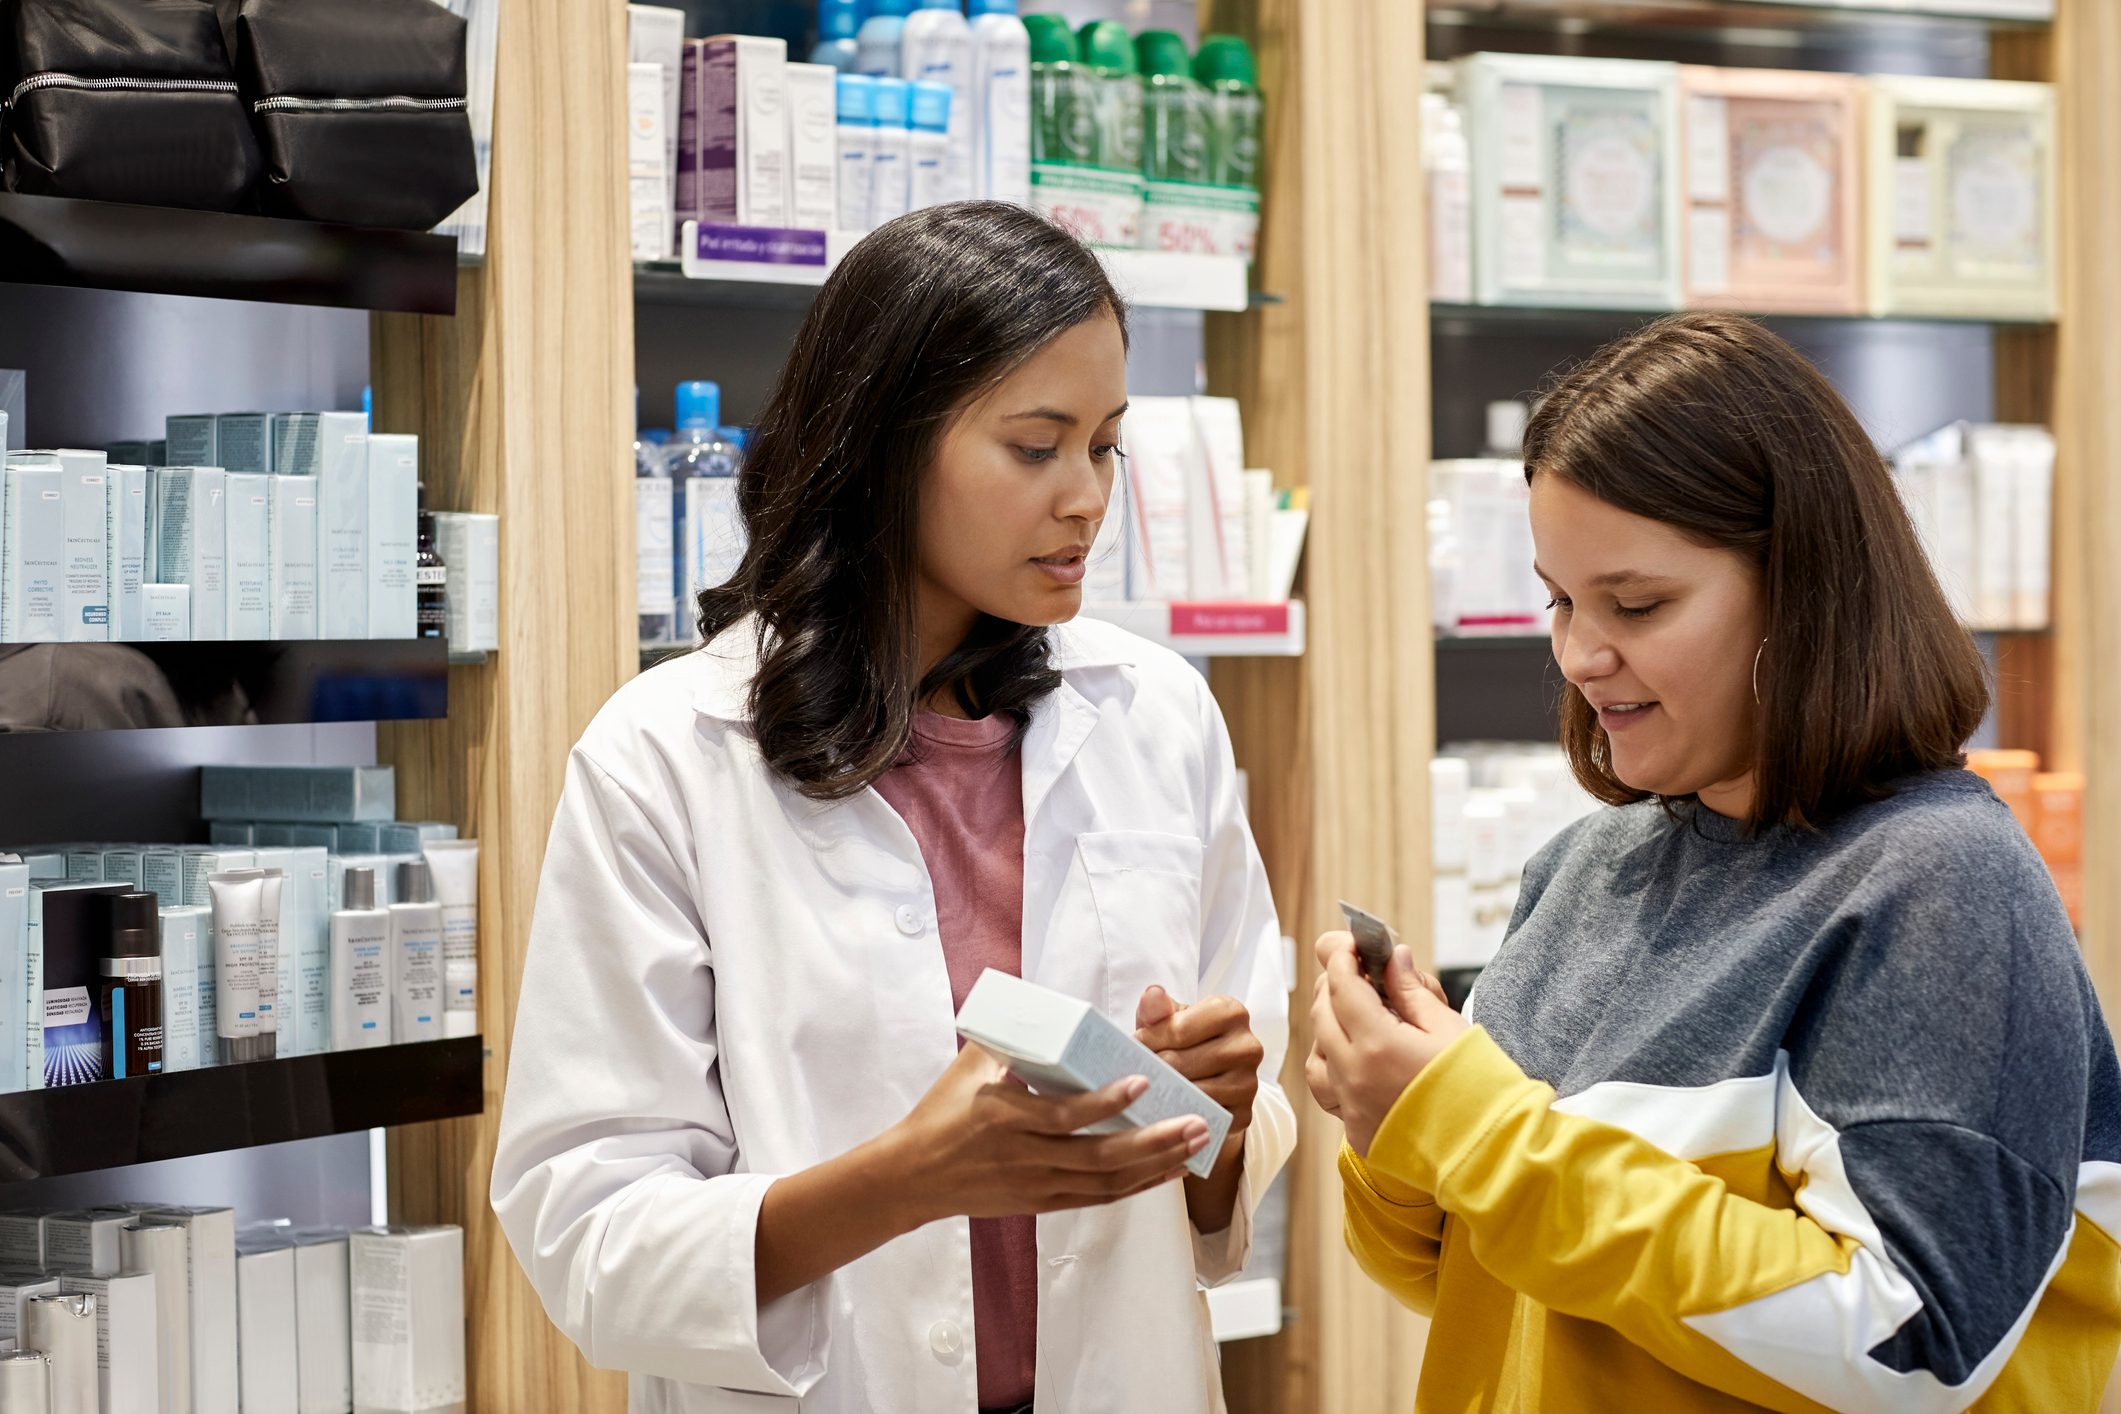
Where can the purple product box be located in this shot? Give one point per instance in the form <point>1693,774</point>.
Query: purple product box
<point>688,190</point>
<point>718,103</point>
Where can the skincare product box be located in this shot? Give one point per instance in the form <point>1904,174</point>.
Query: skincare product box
<point>291,589</point>
<point>358,839</point>
<point>85,1241</point>
<point>128,486</point>
<point>408,1312</point>
<point>393,535</point>
<point>648,188</point>
<point>1982,501</point>
<point>332,448</point>
<point>22,1240</point>
<point>306,794</point>
<point>1160,471</point>
<point>243,442</point>
<point>189,441</point>
<point>71,932</point>
<point>191,542</point>
<point>1773,189</point>
<point>655,34</point>
<point>323,1320</point>
<point>813,146</point>
<point>249,504</point>
<point>1062,1045</point>
<point>305,947</point>
<point>471,545</point>
<point>166,613</point>
<point>162,874</point>
<point>16,1288</point>
<point>1574,199</point>
<point>743,131</point>
<point>128,1340</point>
<point>212,1234</point>
<point>232,832</point>
<point>127,453</point>
<point>266,1328</point>
<point>1218,565</point>
<point>84,568</point>
<point>32,542</point>
<point>14,974</point>
<point>123,866</point>
<point>202,864</point>
<point>1962,205</point>
<point>186,936</point>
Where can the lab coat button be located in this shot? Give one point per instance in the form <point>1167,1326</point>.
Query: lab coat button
<point>947,1341</point>
<point>909,920</point>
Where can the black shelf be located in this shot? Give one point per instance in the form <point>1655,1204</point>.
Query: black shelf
<point>76,687</point>
<point>113,1123</point>
<point>100,245</point>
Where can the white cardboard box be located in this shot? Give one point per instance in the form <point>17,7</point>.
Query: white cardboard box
<point>128,1349</point>
<point>408,1317</point>
<point>743,137</point>
<point>213,1305</point>
<point>323,1320</point>
<point>471,545</point>
<point>265,1322</point>
<point>249,506</point>
<point>85,1241</point>
<point>291,543</point>
<point>1062,1045</point>
<point>191,542</point>
<point>813,146</point>
<point>393,535</point>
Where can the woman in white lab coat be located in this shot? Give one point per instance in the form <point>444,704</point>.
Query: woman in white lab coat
<point>742,1156</point>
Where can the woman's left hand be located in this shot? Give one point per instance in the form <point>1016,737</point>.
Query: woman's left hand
<point>1211,1044</point>
<point>1373,1052</point>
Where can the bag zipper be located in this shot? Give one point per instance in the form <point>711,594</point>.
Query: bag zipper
<point>357,105</point>
<point>55,80</point>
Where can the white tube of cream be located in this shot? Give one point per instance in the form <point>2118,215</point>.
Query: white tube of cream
<point>238,898</point>
<point>455,866</point>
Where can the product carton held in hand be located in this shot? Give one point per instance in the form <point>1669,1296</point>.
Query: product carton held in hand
<point>1059,1045</point>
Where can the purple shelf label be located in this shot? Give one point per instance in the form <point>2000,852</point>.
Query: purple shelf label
<point>760,245</point>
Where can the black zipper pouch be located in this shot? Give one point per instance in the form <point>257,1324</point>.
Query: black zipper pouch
<point>359,107</point>
<point>123,100</point>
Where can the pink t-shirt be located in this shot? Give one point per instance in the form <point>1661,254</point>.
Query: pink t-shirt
<point>961,792</point>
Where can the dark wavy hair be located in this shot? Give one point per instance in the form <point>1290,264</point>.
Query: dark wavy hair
<point>1713,425</point>
<point>924,316</point>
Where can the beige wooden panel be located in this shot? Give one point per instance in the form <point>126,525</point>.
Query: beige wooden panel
<point>522,404</point>
<point>1335,390</point>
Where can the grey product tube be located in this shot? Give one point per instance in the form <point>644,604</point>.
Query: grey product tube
<point>163,1250</point>
<point>64,1328</point>
<point>25,1382</point>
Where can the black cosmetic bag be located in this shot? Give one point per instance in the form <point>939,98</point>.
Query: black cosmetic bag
<point>123,100</point>
<point>359,107</point>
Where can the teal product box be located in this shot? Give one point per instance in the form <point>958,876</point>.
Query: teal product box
<point>318,795</point>
<point>162,874</point>
<point>242,442</point>
<point>240,833</point>
<point>189,441</point>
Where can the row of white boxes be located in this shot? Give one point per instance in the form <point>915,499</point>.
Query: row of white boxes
<point>1630,184</point>
<point>1493,806</point>
<point>319,544</point>
<point>1189,521</point>
<point>143,1308</point>
<point>1980,495</point>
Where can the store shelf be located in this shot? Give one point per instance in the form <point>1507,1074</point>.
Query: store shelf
<point>1506,318</point>
<point>124,686</point>
<point>772,269</point>
<point>1211,630</point>
<point>1245,1310</point>
<point>101,245</point>
<point>1810,20</point>
<point>117,1122</point>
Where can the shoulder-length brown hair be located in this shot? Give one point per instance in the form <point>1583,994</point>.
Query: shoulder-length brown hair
<point>1713,425</point>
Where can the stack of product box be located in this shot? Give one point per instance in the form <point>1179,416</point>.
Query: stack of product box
<point>1982,499</point>
<point>1493,806</point>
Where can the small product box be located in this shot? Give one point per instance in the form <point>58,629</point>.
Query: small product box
<point>243,442</point>
<point>199,866</point>
<point>162,874</point>
<point>70,927</point>
<point>1574,191</point>
<point>332,447</point>
<point>186,932</point>
<point>22,1240</point>
<point>1061,1045</point>
<point>127,550</point>
<point>408,1317</point>
<point>14,972</point>
<point>191,543</point>
<point>298,794</point>
<point>291,542</point>
<point>85,1241</point>
<point>84,569</point>
<point>212,1238</point>
<point>393,535</point>
<point>189,441</point>
<point>655,34</point>
<point>16,1288</point>
<point>166,612</point>
<point>1962,206</point>
<point>813,146</point>
<point>1773,186</point>
<point>323,1320</point>
<point>249,504</point>
<point>471,546</point>
<point>647,184</point>
<point>32,546</point>
<point>128,1346</point>
<point>743,123</point>
<point>266,1328</point>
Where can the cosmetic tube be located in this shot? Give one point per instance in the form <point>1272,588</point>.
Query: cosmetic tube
<point>246,907</point>
<point>25,1382</point>
<point>163,1250</point>
<point>416,956</point>
<point>64,1328</point>
<point>360,967</point>
<point>454,866</point>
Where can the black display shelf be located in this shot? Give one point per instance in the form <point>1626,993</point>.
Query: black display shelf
<point>112,1123</point>
<point>100,245</point>
<point>78,687</point>
<point>1816,21</point>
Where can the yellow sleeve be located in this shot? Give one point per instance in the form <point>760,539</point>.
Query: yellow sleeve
<point>1593,1222</point>
<point>1395,1232</point>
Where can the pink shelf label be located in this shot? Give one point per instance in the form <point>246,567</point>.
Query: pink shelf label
<point>1228,620</point>
<point>764,245</point>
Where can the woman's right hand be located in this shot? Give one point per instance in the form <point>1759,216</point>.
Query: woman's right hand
<point>1315,1074</point>
<point>980,1145</point>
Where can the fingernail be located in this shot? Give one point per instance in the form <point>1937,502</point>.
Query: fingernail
<point>1137,1087</point>
<point>1196,1137</point>
<point>1405,956</point>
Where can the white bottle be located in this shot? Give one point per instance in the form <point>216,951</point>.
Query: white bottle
<point>360,967</point>
<point>1449,159</point>
<point>415,957</point>
<point>937,48</point>
<point>856,135</point>
<point>1001,103</point>
<point>931,144</point>
<point>891,164</point>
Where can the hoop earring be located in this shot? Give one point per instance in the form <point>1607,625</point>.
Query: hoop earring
<point>1756,671</point>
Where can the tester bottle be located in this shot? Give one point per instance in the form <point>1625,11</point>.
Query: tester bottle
<point>131,986</point>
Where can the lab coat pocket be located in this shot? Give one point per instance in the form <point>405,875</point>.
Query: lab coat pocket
<point>1146,889</point>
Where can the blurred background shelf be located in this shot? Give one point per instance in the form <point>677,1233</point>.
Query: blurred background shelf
<point>79,1128</point>
<point>1790,21</point>
<point>1211,630</point>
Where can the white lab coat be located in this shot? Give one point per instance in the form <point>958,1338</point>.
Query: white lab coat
<point>727,981</point>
